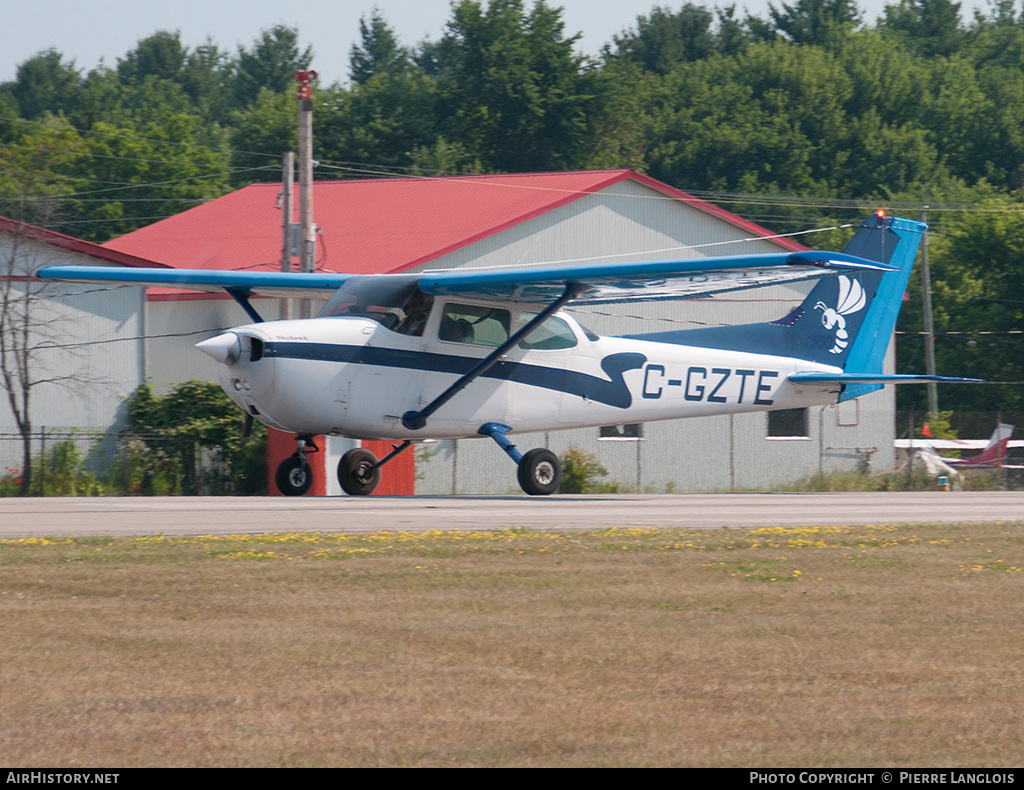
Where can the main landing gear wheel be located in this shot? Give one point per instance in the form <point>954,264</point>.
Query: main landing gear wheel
<point>358,472</point>
<point>293,476</point>
<point>540,472</point>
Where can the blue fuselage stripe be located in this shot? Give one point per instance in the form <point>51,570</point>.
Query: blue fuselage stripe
<point>612,391</point>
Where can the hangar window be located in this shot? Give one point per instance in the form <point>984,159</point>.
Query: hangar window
<point>630,432</point>
<point>788,424</point>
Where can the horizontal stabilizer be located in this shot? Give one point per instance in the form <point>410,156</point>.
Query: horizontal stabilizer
<point>875,378</point>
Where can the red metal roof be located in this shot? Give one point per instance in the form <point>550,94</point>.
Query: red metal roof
<point>378,225</point>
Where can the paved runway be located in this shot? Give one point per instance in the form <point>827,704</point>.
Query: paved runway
<point>226,515</point>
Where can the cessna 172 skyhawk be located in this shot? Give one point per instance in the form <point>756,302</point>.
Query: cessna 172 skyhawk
<point>457,354</point>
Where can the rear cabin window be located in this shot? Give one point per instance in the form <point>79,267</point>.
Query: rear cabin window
<point>480,326</point>
<point>552,334</point>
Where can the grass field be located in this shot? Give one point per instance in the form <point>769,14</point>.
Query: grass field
<point>862,646</point>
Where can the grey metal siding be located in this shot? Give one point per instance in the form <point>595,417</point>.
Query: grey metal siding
<point>89,360</point>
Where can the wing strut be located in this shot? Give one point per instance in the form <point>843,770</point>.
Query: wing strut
<point>243,299</point>
<point>415,420</point>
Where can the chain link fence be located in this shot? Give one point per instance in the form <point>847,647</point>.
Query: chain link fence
<point>84,462</point>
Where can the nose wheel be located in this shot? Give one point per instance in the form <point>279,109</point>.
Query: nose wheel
<point>293,476</point>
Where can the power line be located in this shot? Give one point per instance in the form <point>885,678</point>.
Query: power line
<point>91,155</point>
<point>786,201</point>
<point>136,137</point>
<point>152,184</point>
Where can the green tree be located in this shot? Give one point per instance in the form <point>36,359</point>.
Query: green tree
<point>154,158</point>
<point>442,158</point>
<point>886,159</point>
<point>160,55</point>
<point>617,136</point>
<point>976,263</point>
<point>9,120</point>
<point>206,77</point>
<point>997,39</point>
<point>32,185</point>
<point>100,98</point>
<point>378,51</point>
<point>735,35</point>
<point>513,91</point>
<point>887,78</point>
<point>957,112</point>
<point>1000,146</point>
<point>666,38</point>
<point>929,27</point>
<point>770,120</point>
<point>194,433</point>
<point>380,122</point>
<point>38,169</point>
<point>262,132</point>
<point>975,284</point>
<point>45,83</point>
<point>820,22</point>
<point>271,63</point>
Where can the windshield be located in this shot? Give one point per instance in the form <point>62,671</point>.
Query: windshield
<point>394,302</point>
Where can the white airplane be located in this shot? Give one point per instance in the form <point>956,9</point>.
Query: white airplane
<point>458,354</point>
<point>992,456</point>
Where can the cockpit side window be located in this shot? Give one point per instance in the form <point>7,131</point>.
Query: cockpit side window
<point>480,326</point>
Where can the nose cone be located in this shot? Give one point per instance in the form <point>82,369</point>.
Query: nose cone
<point>224,348</point>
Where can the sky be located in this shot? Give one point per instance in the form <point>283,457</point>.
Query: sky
<point>87,31</point>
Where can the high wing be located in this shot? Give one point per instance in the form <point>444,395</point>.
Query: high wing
<point>282,284</point>
<point>652,280</point>
<point>598,283</point>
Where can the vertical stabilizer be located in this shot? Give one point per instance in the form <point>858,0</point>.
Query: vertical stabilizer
<point>888,240</point>
<point>845,321</point>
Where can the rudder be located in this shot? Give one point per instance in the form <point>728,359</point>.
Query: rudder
<point>857,312</point>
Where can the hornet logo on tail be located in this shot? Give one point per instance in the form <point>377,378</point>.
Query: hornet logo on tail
<point>851,299</point>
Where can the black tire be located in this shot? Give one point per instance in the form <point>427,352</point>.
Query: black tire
<point>357,472</point>
<point>540,472</point>
<point>293,476</point>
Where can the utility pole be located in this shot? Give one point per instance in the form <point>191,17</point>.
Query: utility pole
<point>929,328</point>
<point>307,230</point>
<point>287,244</point>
